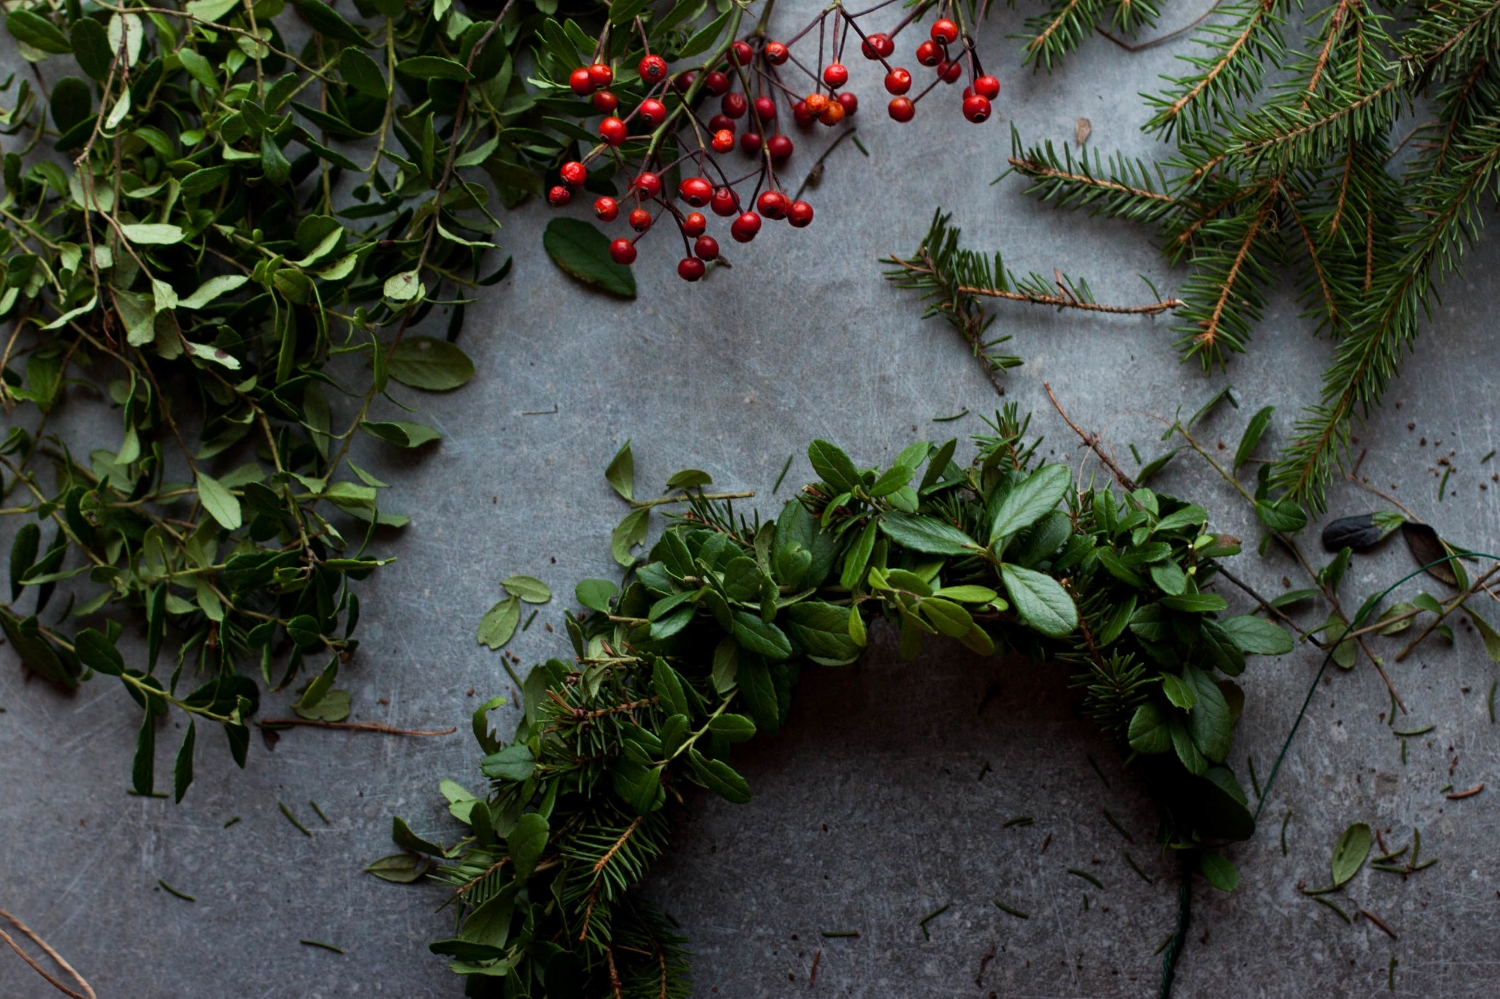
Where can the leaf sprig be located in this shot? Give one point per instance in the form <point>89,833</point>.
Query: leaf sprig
<point>199,263</point>
<point>701,645</point>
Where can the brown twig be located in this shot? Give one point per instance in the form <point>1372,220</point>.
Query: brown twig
<point>1066,301</point>
<point>1378,922</point>
<point>350,726</point>
<point>1461,795</point>
<point>813,977</point>
<point>1142,46</point>
<point>88,990</point>
<point>1091,441</point>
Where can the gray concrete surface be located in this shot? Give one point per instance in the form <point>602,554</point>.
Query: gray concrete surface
<point>868,812</point>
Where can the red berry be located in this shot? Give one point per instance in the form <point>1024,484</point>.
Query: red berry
<point>832,114</point>
<point>706,247</point>
<point>772,204</point>
<point>612,131</point>
<point>976,109</point>
<point>716,83</point>
<point>601,75</point>
<point>694,224</point>
<point>719,122</point>
<point>653,112</point>
<point>648,184</point>
<point>723,140</point>
<point>780,147</point>
<point>607,209</point>
<point>640,220</point>
<point>744,228</point>
<point>743,53</point>
<point>559,196</point>
<point>898,81</point>
<point>949,72</point>
<point>835,75</point>
<point>765,108</point>
<point>928,54</point>
<point>944,31</point>
<point>682,81</point>
<point>574,173</point>
<point>605,102</point>
<point>850,102</point>
<point>750,143</point>
<point>581,82</point>
<point>725,202</point>
<point>653,69</point>
<point>622,251</point>
<point>878,46</point>
<point>776,53</point>
<point>734,105</point>
<point>801,115</point>
<point>690,269</point>
<point>902,109</point>
<point>987,87</point>
<point>696,191</point>
<point>800,214</point>
<point>816,104</point>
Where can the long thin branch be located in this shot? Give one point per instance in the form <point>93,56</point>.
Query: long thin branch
<point>275,723</point>
<point>1059,301</point>
<point>88,990</point>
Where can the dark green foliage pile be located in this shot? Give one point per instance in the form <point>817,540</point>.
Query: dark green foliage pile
<point>701,646</point>
<point>1285,159</point>
<point>182,240</point>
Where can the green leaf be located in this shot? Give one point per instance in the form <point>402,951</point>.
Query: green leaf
<point>1209,723</point>
<point>424,362</point>
<point>528,588</point>
<point>514,763</point>
<point>627,534</point>
<point>1169,578</point>
<point>1284,516</point>
<point>500,622</point>
<point>98,653</point>
<point>822,629</point>
<point>152,234</point>
<point>689,478</point>
<point>404,287</point>
<point>143,768</point>
<point>1180,694</point>
<point>402,868</point>
<point>401,433</point>
<point>582,250</point>
<point>705,37</point>
<point>1148,732</point>
<point>1258,636</point>
<point>621,472</point>
<point>1350,852</point>
<point>1030,500</point>
<point>182,769</point>
<point>328,22</point>
<point>71,102</point>
<point>38,32</point>
<point>967,594</point>
<point>220,503</point>
<point>1253,431</point>
<point>1195,603</point>
<point>1217,870</point>
<point>735,728</point>
<point>23,549</point>
<point>595,594</point>
<point>1486,632</point>
<point>761,637</point>
<point>1040,601</point>
<point>91,47</point>
<point>273,163</point>
<point>926,534</point>
<point>429,67</point>
<point>719,778</point>
<point>526,843</point>
<point>212,10</point>
<point>833,465</point>
<point>334,706</point>
<point>361,73</point>
<point>1187,751</point>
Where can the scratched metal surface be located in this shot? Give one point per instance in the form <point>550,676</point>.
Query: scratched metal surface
<point>869,811</point>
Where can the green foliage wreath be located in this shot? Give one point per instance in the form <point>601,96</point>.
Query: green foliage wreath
<point>701,647</point>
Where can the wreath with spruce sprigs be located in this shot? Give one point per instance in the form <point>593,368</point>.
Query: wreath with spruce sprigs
<point>701,646</point>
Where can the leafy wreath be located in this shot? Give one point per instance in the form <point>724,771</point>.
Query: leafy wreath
<point>702,644</point>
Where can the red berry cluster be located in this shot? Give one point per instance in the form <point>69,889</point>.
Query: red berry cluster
<point>674,106</point>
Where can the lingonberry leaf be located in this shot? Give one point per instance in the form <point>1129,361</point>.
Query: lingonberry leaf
<point>583,251</point>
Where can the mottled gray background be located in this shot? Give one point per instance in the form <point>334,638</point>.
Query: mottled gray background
<point>868,812</point>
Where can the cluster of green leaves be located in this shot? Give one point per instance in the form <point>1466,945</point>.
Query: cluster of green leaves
<point>1297,174</point>
<point>701,646</point>
<point>197,260</point>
